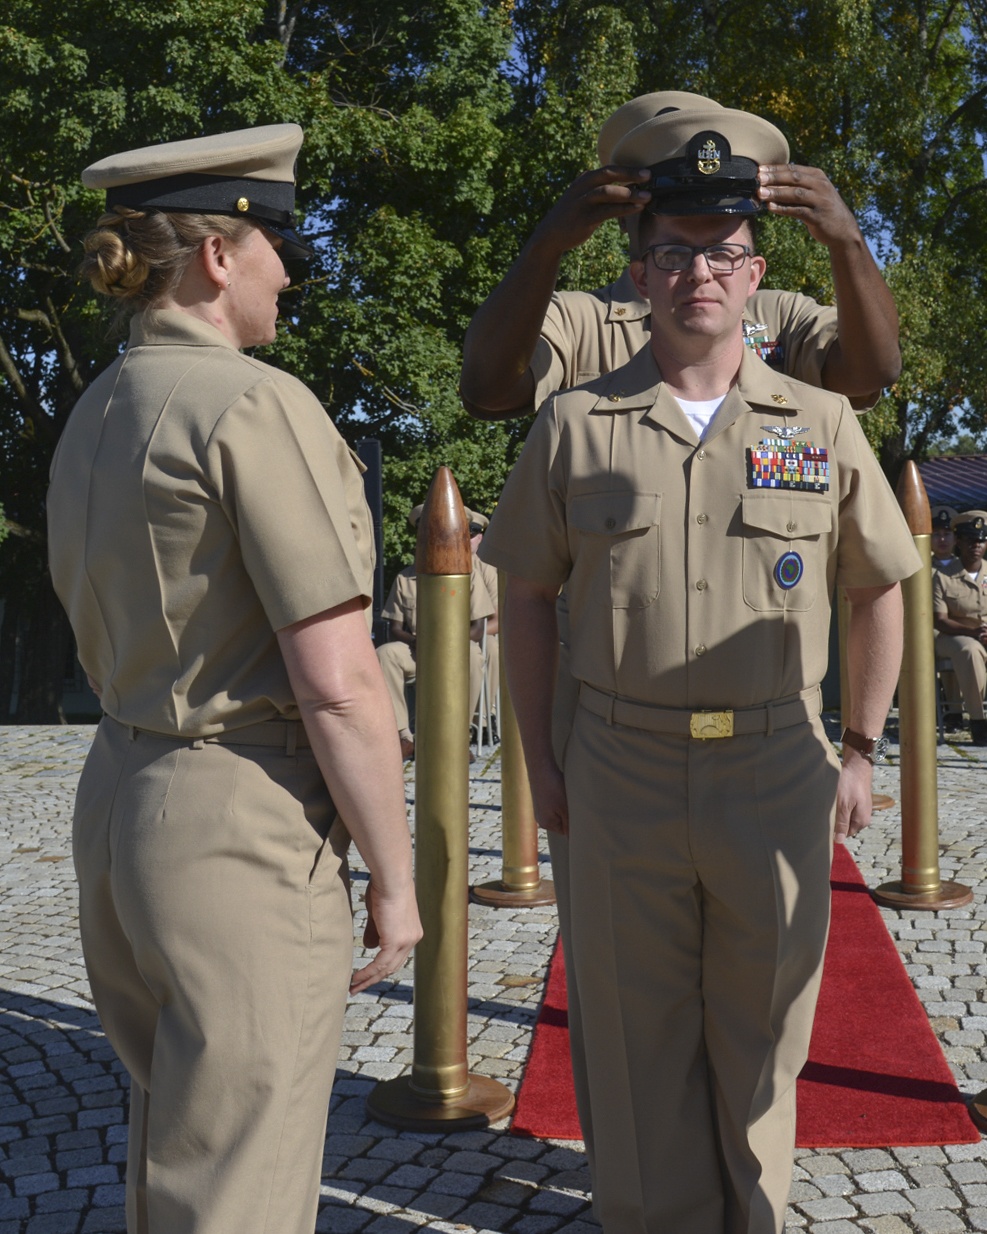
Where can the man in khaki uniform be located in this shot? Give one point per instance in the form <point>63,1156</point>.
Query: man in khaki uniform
<point>959,604</point>
<point>397,656</point>
<point>699,508</point>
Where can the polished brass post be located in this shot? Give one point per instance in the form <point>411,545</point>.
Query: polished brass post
<point>520,884</point>
<point>920,885</point>
<point>441,1089</point>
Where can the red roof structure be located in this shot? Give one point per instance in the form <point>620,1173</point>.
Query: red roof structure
<point>957,480</point>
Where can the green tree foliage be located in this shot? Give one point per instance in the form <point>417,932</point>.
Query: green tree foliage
<point>436,136</point>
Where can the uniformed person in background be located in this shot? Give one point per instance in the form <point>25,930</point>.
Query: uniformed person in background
<point>397,655</point>
<point>959,605</point>
<point>211,544</point>
<point>943,545</point>
<point>478,524</point>
<point>699,509</point>
<point>526,340</point>
<point>943,542</point>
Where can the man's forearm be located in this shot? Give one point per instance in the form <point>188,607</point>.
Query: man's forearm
<point>531,651</point>
<point>496,381</point>
<point>875,639</point>
<point>865,356</point>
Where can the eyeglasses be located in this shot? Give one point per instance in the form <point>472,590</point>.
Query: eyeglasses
<point>721,258</point>
<point>475,529</point>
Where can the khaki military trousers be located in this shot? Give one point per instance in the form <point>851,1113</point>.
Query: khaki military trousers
<point>969,657</point>
<point>216,928</point>
<point>398,666</point>
<point>698,909</point>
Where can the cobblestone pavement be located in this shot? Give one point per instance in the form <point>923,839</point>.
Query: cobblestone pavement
<point>63,1094</point>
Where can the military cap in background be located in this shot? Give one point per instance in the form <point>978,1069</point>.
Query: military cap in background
<point>249,173</point>
<point>415,513</point>
<point>702,160</point>
<point>972,523</point>
<point>637,111</point>
<point>943,517</point>
<point>477,520</point>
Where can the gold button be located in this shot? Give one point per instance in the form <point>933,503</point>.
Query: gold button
<point>614,398</point>
<point>791,526</point>
<point>701,585</point>
<point>242,204</point>
<point>701,454</point>
<point>702,518</point>
<point>701,649</point>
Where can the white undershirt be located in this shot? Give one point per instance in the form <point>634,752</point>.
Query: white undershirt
<point>700,413</point>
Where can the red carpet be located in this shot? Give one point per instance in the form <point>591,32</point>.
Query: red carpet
<point>876,1075</point>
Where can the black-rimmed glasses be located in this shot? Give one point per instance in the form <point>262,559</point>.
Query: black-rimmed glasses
<point>721,258</point>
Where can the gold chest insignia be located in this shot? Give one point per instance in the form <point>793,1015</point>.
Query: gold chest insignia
<point>708,159</point>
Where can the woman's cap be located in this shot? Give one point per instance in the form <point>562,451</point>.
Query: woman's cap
<point>972,523</point>
<point>703,161</point>
<point>943,518</point>
<point>249,173</point>
<point>645,107</point>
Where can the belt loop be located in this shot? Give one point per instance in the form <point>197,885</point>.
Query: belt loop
<point>197,743</point>
<point>769,727</point>
<point>609,715</point>
<point>291,740</point>
<point>132,731</point>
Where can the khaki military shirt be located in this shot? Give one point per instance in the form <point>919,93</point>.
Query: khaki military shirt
<point>956,595</point>
<point>200,500</point>
<point>402,599</point>
<point>586,333</point>
<point>690,586</point>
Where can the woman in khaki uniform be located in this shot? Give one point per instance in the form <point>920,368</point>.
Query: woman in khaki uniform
<point>210,542</point>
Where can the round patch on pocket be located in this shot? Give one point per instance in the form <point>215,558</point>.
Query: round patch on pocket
<point>788,570</point>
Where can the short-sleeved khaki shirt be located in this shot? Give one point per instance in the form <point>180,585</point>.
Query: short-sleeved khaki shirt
<point>587,333</point>
<point>689,586</point>
<point>956,595</point>
<point>200,500</point>
<point>402,599</point>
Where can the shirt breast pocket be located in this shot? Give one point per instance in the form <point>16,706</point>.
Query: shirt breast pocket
<point>618,545</point>
<point>785,550</point>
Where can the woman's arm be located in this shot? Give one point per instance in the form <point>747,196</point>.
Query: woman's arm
<point>349,719</point>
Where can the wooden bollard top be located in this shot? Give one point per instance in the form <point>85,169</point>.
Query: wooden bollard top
<point>443,533</point>
<point>914,500</point>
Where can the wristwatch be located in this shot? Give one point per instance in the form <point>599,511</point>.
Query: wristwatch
<point>874,749</point>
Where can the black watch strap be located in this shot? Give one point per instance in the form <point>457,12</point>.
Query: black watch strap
<point>874,749</point>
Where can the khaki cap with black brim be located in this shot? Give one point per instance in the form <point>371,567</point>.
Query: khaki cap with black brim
<point>703,162</point>
<point>249,173</point>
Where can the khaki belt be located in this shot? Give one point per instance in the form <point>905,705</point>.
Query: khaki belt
<point>288,734</point>
<point>703,725</point>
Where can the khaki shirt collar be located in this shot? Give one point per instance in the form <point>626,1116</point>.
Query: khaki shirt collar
<point>174,328</point>
<point>638,386</point>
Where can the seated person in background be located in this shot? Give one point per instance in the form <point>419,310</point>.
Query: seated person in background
<point>478,525</point>
<point>959,602</point>
<point>944,539</point>
<point>944,558</point>
<point>397,657</point>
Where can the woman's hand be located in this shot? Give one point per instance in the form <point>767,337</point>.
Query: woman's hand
<point>394,927</point>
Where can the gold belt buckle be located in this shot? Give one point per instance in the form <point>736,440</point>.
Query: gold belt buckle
<point>707,724</point>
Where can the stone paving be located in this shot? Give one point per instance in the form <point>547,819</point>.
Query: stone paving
<point>63,1094</point>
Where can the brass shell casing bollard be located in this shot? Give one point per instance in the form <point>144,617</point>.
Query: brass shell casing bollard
<point>520,884</point>
<point>920,885</point>
<point>441,1090</point>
